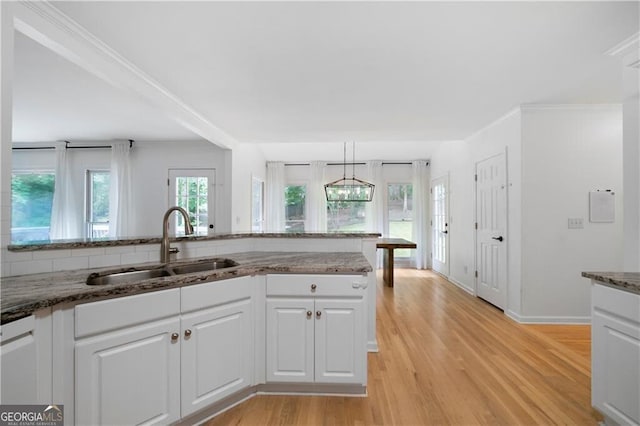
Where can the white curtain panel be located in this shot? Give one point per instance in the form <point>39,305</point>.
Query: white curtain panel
<point>66,221</point>
<point>316,198</point>
<point>274,203</point>
<point>374,210</point>
<point>120,215</point>
<point>421,213</point>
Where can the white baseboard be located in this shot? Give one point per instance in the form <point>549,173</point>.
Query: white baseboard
<point>533,319</point>
<point>372,346</point>
<point>462,286</point>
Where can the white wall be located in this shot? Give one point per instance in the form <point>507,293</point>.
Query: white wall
<point>247,163</point>
<point>567,152</point>
<point>631,166</point>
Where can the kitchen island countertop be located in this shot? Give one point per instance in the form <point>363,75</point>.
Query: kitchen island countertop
<point>23,295</point>
<point>625,281</point>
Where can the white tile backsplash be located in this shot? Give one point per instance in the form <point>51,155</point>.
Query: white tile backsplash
<point>104,260</point>
<point>31,267</point>
<point>51,254</point>
<point>119,250</point>
<point>16,256</point>
<point>128,258</point>
<point>87,251</point>
<point>71,263</point>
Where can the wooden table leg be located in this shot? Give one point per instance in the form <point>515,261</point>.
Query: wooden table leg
<point>387,271</point>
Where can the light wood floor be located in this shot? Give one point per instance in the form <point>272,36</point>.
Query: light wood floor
<point>447,358</point>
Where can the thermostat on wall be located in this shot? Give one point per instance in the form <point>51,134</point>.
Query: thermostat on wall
<point>602,206</point>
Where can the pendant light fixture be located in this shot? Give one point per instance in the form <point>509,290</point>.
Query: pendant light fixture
<point>349,189</point>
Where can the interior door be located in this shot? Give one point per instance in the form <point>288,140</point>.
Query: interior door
<point>491,227</point>
<point>194,191</point>
<point>440,224</point>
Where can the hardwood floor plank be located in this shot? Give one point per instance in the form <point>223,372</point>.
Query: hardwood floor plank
<point>447,357</point>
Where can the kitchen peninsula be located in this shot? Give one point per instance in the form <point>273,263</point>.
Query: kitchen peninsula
<point>170,330</point>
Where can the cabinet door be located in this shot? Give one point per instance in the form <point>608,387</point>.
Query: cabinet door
<point>129,376</point>
<point>290,340</point>
<point>340,345</point>
<point>25,360</point>
<point>217,354</point>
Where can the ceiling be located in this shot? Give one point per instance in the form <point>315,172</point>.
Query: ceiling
<point>326,71</point>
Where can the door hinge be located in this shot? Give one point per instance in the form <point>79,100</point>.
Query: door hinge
<point>475,177</point>
<point>476,225</point>
<point>476,274</point>
<point>168,182</point>
<point>431,223</point>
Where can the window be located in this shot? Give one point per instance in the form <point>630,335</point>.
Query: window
<point>399,214</point>
<point>193,190</point>
<point>257,205</point>
<point>97,198</point>
<point>346,216</point>
<point>295,200</point>
<point>31,201</point>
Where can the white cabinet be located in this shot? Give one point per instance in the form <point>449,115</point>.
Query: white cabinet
<point>128,360</point>
<point>155,358</point>
<point>615,360</point>
<point>316,329</point>
<point>217,346</point>
<point>25,360</point>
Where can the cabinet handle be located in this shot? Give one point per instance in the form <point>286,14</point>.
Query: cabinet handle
<point>309,313</point>
<point>313,287</point>
<point>187,333</point>
<point>174,337</point>
<point>318,314</point>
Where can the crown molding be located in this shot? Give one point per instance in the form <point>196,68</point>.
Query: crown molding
<point>570,107</point>
<point>509,114</point>
<point>625,46</point>
<point>43,22</point>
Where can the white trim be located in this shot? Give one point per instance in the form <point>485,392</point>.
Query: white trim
<point>625,45</point>
<point>494,122</point>
<point>464,287</point>
<point>47,25</point>
<point>572,107</point>
<point>542,319</point>
<point>372,346</point>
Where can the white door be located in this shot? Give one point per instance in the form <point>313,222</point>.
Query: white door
<point>217,354</point>
<point>491,227</point>
<point>440,225</point>
<point>129,377</point>
<point>193,190</point>
<point>340,345</point>
<point>290,340</point>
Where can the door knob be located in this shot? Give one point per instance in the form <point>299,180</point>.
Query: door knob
<point>445,232</point>
<point>174,337</point>
<point>318,314</point>
<point>497,238</point>
<point>313,287</point>
<point>187,333</point>
<point>309,313</point>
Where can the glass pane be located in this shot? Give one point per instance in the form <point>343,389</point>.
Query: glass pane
<point>295,197</point>
<point>257,198</point>
<point>31,200</point>
<point>400,214</point>
<point>346,216</point>
<point>192,195</point>
<point>98,203</point>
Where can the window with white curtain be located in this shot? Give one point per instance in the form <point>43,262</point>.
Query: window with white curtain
<point>97,203</point>
<point>400,214</point>
<point>343,216</point>
<point>295,198</point>
<point>257,205</point>
<point>31,202</point>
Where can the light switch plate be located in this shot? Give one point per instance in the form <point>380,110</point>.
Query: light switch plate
<point>575,223</point>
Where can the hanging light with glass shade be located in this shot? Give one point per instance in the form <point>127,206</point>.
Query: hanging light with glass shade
<point>349,189</point>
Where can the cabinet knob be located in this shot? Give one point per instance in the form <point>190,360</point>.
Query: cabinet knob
<point>174,337</point>
<point>309,313</point>
<point>313,287</point>
<point>187,333</point>
<point>318,314</point>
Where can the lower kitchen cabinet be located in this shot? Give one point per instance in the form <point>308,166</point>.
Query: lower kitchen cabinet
<point>25,360</point>
<point>316,329</point>
<point>615,358</point>
<point>178,351</point>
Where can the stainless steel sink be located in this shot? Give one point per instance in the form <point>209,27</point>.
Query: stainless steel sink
<point>127,276</point>
<point>132,275</point>
<point>209,265</point>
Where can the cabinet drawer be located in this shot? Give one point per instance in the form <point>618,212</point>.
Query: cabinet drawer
<point>107,315</point>
<point>215,293</point>
<point>325,285</point>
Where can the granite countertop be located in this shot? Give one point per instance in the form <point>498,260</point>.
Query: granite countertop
<point>23,295</point>
<point>109,242</point>
<point>625,281</point>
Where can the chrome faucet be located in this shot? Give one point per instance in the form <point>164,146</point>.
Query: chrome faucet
<point>165,247</point>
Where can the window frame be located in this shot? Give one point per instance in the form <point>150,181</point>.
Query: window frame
<point>88,203</point>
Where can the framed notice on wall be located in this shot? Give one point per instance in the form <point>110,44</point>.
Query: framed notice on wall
<point>602,206</point>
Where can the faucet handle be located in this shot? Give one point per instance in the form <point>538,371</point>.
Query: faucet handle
<point>174,250</point>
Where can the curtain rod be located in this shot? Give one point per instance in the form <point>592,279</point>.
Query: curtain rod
<point>384,163</point>
<point>131,141</point>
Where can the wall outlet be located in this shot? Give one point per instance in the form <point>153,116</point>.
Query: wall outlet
<point>575,223</point>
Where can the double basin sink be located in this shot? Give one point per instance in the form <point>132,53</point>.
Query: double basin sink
<point>168,270</point>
